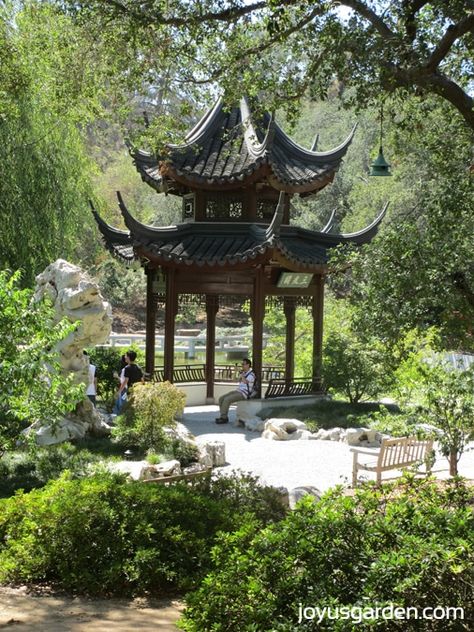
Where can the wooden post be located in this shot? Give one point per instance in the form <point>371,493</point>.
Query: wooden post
<point>151,307</point>
<point>171,309</point>
<point>289,306</point>
<point>257,313</point>
<point>286,211</point>
<point>212,307</point>
<point>318,311</point>
<point>251,203</point>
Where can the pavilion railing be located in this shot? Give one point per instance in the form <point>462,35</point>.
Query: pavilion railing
<point>222,373</point>
<point>291,388</point>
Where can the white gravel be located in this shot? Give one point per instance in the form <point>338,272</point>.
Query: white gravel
<point>290,464</point>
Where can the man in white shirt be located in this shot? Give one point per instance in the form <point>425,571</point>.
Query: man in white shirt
<point>244,391</point>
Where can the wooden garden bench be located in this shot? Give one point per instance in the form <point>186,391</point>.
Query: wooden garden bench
<point>394,454</point>
<point>163,480</point>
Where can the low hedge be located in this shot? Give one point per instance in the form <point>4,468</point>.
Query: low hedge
<point>103,535</point>
<point>410,544</point>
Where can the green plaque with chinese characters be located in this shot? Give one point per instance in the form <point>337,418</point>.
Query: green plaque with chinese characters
<point>294,279</point>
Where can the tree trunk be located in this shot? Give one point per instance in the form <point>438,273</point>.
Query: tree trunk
<point>453,463</point>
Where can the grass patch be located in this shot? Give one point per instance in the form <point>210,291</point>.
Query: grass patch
<point>331,413</point>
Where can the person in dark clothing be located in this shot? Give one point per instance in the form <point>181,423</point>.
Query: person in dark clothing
<point>131,375</point>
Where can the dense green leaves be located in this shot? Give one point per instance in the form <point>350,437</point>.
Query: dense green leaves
<point>103,535</point>
<point>409,544</point>
<point>32,388</point>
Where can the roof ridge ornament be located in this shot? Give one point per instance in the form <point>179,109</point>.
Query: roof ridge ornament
<point>366,234</point>
<point>330,222</point>
<point>273,230</point>
<point>256,149</point>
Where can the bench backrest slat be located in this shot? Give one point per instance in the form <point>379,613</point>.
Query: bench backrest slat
<point>403,451</point>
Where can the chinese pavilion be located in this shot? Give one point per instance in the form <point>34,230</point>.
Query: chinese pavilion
<point>236,174</point>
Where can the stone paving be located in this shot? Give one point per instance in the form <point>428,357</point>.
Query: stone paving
<point>290,464</point>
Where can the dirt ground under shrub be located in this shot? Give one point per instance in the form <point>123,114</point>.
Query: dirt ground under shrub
<point>25,610</point>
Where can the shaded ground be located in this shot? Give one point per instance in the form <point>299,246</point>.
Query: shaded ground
<point>23,611</point>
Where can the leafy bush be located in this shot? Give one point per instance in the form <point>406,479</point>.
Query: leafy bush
<point>353,367</point>
<point>28,469</point>
<point>151,407</point>
<point>185,452</point>
<point>106,361</point>
<point>102,535</point>
<point>449,406</point>
<point>410,543</point>
<point>32,386</point>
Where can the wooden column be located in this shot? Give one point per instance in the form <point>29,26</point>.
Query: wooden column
<point>289,306</point>
<point>251,202</point>
<point>212,307</point>
<point>257,313</point>
<point>318,312</point>
<point>286,212</point>
<point>151,307</point>
<point>171,309</point>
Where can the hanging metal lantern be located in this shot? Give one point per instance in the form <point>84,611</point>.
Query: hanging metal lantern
<point>380,166</point>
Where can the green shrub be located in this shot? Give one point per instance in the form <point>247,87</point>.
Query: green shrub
<point>28,469</point>
<point>184,451</point>
<point>102,535</point>
<point>411,544</point>
<point>106,361</point>
<point>151,407</point>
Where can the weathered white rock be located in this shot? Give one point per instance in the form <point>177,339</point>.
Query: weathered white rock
<point>283,429</point>
<point>298,492</point>
<point>288,425</point>
<point>300,434</point>
<point>336,434</point>
<point>212,453</point>
<point>363,437</point>
<point>255,424</point>
<point>168,468</point>
<point>77,297</point>
<point>277,431</point>
<point>323,435</point>
<point>194,468</point>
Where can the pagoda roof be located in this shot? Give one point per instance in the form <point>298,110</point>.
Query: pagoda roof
<point>227,244</point>
<point>230,148</point>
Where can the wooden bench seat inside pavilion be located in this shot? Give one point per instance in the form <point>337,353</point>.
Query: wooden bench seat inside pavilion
<point>236,174</point>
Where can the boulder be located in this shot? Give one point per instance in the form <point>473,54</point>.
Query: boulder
<point>75,296</point>
<point>335,434</point>
<point>255,424</point>
<point>363,437</point>
<point>194,468</point>
<point>322,434</point>
<point>284,429</point>
<point>168,468</point>
<point>211,453</point>
<point>298,492</point>
<point>300,434</point>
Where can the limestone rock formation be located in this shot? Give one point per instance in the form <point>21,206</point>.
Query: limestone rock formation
<point>75,296</point>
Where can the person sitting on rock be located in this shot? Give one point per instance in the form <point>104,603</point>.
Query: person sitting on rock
<point>244,391</point>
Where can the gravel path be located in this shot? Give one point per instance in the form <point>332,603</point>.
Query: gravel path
<point>290,464</point>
